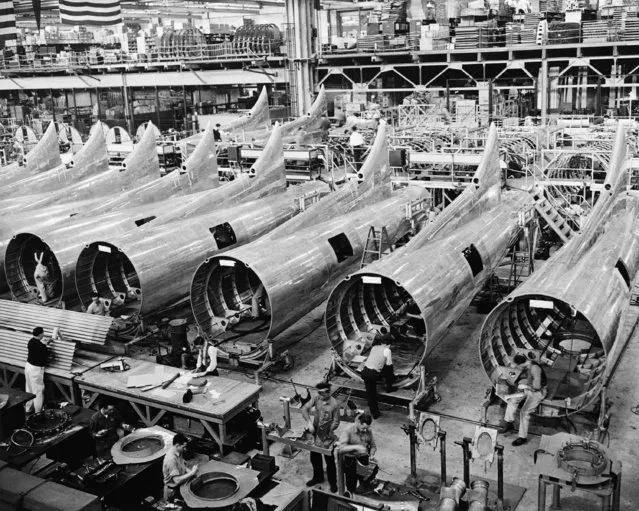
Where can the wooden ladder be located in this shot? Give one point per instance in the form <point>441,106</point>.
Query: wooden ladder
<point>553,218</point>
<point>377,244</point>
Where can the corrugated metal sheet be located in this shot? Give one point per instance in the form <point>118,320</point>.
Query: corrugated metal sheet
<point>75,326</point>
<point>14,349</point>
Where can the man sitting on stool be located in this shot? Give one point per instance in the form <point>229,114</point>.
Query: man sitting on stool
<point>534,391</point>
<point>378,364</point>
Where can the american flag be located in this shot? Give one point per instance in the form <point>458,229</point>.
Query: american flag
<point>7,21</point>
<point>90,12</point>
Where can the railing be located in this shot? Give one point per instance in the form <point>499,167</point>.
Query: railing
<point>197,53</point>
<point>476,37</point>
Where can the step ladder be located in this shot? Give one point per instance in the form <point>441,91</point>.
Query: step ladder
<point>553,218</point>
<point>377,245</point>
<point>522,255</point>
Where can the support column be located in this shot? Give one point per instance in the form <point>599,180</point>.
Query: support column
<point>128,114</point>
<point>542,90</point>
<point>299,15</point>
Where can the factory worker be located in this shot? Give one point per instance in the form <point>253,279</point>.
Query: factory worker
<point>325,421</point>
<point>356,445</point>
<point>206,364</point>
<point>97,306</point>
<point>106,428</point>
<point>533,384</point>
<point>175,471</point>
<point>356,141</point>
<point>37,358</point>
<point>378,365</point>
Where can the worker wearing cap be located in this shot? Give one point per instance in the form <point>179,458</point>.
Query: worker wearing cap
<point>37,358</point>
<point>378,365</point>
<point>356,445</point>
<point>323,425</point>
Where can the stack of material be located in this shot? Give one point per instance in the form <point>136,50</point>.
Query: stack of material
<point>466,38</point>
<point>531,20</point>
<point>513,33</point>
<point>392,11</point>
<point>528,36</point>
<point>564,33</point>
<point>631,30</point>
<point>551,6</point>
<point>595,31</point>
<point>371,43</point>
<point>14,350</point>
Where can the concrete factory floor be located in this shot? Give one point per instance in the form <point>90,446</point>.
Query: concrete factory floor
<point>462,386</point>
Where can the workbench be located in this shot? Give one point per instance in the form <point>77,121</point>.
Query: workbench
<point>214,410</point>
<point>57,447</point>
<point>62,381</point>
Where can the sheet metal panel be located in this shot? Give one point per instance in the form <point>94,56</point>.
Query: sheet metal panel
<point>14,350</point>
<point>75,326</point>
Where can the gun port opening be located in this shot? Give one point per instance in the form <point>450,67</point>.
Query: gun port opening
<point>359,307</point>
<point>102,268</point>
<point>231,304</point>
<point>32,270</point>
<point>551,332</point>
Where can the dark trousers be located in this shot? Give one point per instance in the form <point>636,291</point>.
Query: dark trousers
<point>318,469</point>
<point>358,155</point>
<point>371,377</point>
<point>349,467</point>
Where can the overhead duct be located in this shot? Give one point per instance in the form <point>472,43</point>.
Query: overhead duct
<point>568,313</point>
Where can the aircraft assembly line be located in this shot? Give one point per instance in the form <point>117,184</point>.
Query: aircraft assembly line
<point>540,234</point>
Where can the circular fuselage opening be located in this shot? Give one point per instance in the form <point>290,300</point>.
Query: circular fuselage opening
<point>102,268</point>
<point>215,486</point>
<point>32,270</point>
<point>233,306</point>
<point>360,307</point>
<point>143,446</point>
<point>570,351</point>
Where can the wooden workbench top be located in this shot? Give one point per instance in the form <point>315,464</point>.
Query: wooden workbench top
<point>221,399</point>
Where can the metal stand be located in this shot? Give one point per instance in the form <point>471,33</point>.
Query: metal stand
<point>411,430</point>
<point>499,449</point>
<point>273,360</point>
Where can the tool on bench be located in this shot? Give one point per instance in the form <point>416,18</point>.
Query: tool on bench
<point>164,384</point>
